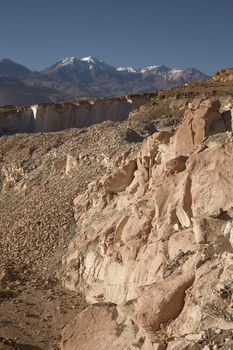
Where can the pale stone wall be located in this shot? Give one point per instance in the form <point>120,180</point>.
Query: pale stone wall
<point>57,117</point>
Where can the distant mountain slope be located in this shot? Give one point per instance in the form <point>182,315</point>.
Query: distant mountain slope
<point>9,68</point>
<point>88,76</point>
<point>15,92</point>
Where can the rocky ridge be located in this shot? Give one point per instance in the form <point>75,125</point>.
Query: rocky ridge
<point>167,107</point>
<point>153,249</point>
<point>224,75</point>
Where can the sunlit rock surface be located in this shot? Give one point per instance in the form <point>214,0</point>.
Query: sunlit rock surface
<point>154,239</point>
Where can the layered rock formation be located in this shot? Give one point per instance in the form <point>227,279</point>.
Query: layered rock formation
<point>153,251</point>
<point>80,114</point>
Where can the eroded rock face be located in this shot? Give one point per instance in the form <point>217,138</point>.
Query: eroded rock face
<point>154,237</point>
<point>201,119</point>
<point>224,75</point>
<point>56,117</point>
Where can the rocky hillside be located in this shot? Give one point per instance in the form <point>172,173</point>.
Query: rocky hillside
<point>154,243</point>
<point>15,92</point>
<point>40,175</point>
<point>167,107</point>
<point>118,235</point>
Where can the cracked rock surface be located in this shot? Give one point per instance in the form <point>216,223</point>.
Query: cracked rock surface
<point>153,244</point>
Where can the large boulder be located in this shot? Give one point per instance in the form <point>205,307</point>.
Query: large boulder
<point>99,327</point>
<point>201,119</point>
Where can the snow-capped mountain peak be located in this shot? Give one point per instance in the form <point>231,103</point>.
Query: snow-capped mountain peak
<point>92,76</point>
<point>150,68</point>
<point>175,73</point>
<point>126,69</point>
<point>90,59</point>
<point>176,70</point>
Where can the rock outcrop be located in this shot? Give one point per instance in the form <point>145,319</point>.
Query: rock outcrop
<point>154,239</point>
<point>224,75</point>
<point>201,119</point>
<point>59,116</point>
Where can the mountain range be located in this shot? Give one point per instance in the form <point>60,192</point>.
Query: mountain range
<point>88,76</point>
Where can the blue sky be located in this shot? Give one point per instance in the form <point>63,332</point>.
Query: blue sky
<point>181,33</point>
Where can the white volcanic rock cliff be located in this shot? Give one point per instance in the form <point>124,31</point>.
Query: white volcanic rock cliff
<point>153,250</point>
<point>57,117</point>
